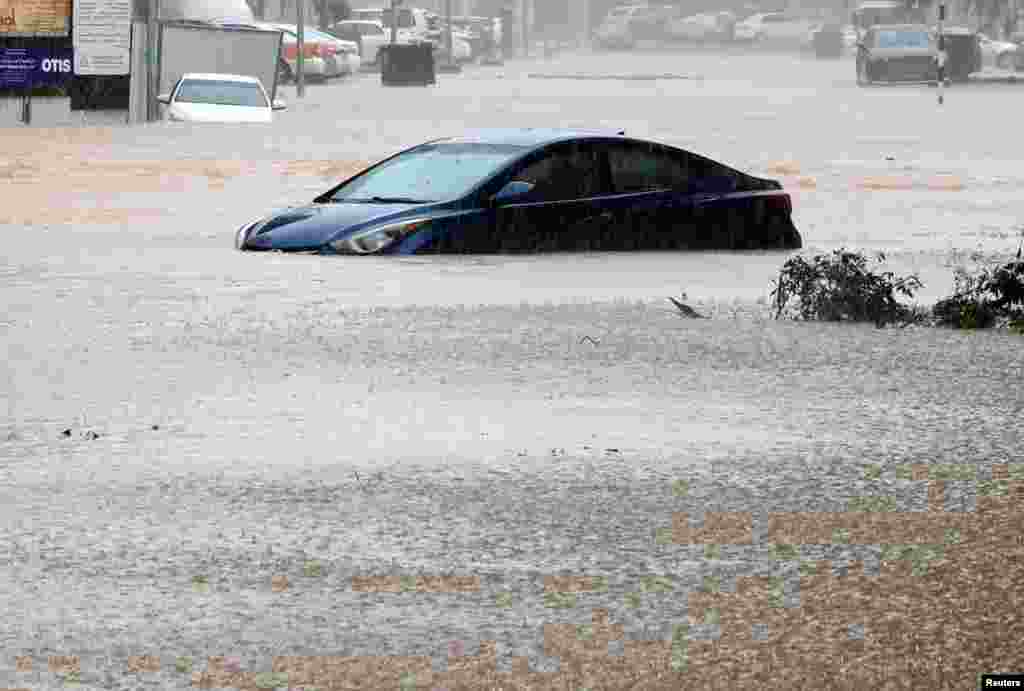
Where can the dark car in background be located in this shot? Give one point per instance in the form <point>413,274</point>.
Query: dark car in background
<point>534,190</point>
<point>897,53</point>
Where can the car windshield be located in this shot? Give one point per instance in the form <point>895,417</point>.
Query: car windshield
<point>903,39</point>
<point>430,172</point>
<point>221,93</point>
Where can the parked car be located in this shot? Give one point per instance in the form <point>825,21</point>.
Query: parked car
<point>884,12</point>
<point>462,49</point>
<point>898,52</point>
<point>826,40</point>
<point>474,30</point>
<point>412,21</point>
<point>368,35</point>
<point>709,26</point>
<point>338,57</point>
<point>775,28</point>
<point>615,29</point>
<point>313,63</point>
<point>346,53</point>
<point>208,97</point>
<point>1001,54</point>
<point>651,22</point>
<point>530,190</point>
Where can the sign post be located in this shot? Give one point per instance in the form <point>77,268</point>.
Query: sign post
<point>300,77</point>
<point>152,72</point>
<point>942,55</point>
<point>448,34</point>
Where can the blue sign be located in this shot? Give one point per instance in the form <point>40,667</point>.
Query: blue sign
<point>28,67</point>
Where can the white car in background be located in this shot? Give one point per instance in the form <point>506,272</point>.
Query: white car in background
<point>995,53</point>
<point>708,26</point>
<point>369,35</point>
<point>777,28</point>
<point>207,97</point>
<point>615,31</point>
<point>412,21</point>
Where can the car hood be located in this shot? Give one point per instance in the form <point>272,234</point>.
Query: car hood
<point>205,112</point>
<point>891,53</point>
<point>313,226</point>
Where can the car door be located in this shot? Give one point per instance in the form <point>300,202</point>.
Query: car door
<point>563,211</point>
<point>652,199</point>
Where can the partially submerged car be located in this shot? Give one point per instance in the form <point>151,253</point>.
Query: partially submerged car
<point>224,98</point>
<point>533,190</point>
<point>897,53</point>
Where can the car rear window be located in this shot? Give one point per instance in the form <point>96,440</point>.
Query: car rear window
<point>903,39</point>
<point>221,93</point>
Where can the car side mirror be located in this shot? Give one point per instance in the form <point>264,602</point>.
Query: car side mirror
<point>516,189</point>
<point>164,98</point>
<point>279,104</point>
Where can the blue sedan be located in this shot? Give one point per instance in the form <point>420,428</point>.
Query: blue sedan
<point>534,190</point>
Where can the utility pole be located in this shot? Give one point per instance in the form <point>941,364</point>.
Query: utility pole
<point>152,73</point>
<point>394,20</point>
<point>942,55</point>
<point>300,77</point>
<point>448,34</point>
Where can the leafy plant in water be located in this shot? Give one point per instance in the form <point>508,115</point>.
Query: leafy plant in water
<point>842,287</point>
<point>982,298</point>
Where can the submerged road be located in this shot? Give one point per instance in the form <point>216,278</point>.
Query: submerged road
<point>184,425</point>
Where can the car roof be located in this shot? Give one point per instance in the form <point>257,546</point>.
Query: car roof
<point>528,136</point>
<point>218,77</point>
<point>902,27</point>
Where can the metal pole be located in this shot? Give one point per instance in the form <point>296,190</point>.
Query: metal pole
<point>394,20</point>
<point>152,76</point>
<point>448,12</point>
<point>300,77</point>
<point>942,55</point>
<point>26,106</point>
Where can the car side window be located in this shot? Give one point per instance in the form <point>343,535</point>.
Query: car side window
<point>644,168</point>
<point>566,172</point>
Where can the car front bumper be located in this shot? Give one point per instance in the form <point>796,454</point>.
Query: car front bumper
<point>905,70</point>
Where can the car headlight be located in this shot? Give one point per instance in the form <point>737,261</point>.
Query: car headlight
<point>376,239</point>
<point>243,233</point>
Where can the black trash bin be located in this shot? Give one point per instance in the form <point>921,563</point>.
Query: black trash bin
<point>828,42</point>
<point>963,53</point>
<point>407,64</point>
